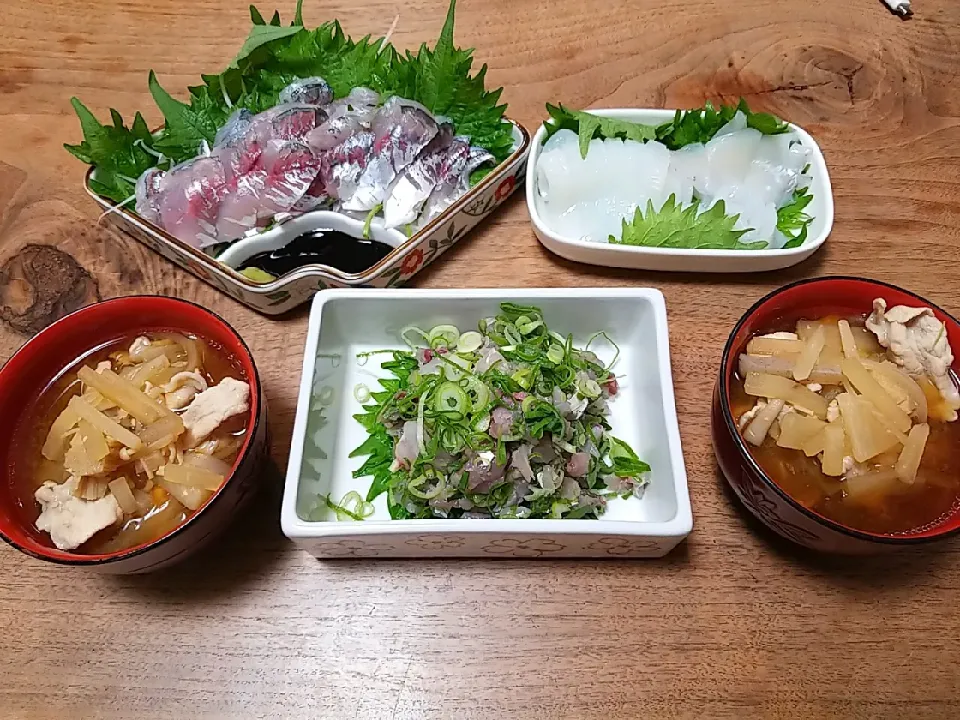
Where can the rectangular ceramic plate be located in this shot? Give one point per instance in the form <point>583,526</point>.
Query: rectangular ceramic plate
<point>344,323</point>
<point>300,285</point>
<point>674,259</point>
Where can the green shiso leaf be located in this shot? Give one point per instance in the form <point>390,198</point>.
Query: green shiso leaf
<point>589,126</point>
<point>792,221</point>
<point>674,226</point>
<point>273,56</point>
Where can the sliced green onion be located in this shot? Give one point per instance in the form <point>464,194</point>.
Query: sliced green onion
<point>351,507</point>
<point>451,398</point>
<point>607,338</point>
<point>589,388</point>
<point>443,335</point>
<point>415,485</point>
<point>469,341</point>
<point>453,365</point>
<point>361,393</point>
<point>478,390</point>
<point>413,329</point>
<point>555,354</point>
<point>526,325</point>
<point>420,443</point>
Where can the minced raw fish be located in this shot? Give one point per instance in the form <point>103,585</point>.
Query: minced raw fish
<point>311,151</point>
<point>588,198</point>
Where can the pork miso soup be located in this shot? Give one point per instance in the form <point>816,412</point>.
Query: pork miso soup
<point>131,441</point>
<point>856,417</point>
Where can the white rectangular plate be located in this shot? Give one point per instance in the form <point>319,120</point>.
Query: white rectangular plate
<point>676,259</point>
<point>346,322</point>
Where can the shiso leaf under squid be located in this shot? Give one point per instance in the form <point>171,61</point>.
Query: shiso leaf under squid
<point>674,226</point>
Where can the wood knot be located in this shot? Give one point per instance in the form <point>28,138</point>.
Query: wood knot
<point>39,285</point>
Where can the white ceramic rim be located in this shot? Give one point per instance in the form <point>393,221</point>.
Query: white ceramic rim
<point>660,115</point>
<point>678,527</point>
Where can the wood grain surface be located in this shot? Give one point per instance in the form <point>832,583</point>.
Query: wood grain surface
<point>731,625</point>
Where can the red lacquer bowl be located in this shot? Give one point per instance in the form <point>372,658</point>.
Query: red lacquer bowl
<point>45,356</point>
<point>807,299</point>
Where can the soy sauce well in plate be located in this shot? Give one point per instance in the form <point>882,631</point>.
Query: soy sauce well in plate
<point>333,248</point>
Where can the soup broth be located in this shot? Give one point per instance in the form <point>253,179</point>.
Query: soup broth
<point>875,494</point>
<point>153,487</point>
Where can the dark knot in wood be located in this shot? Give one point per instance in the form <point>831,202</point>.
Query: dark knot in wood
<point>40,284</point>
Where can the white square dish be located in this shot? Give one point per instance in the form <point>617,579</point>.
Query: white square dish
<point>346,322</point>
<point>677,259</point>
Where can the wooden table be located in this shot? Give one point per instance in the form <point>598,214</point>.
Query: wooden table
<point>732,624</point>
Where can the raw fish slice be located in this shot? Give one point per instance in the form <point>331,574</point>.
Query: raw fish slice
<point>757,216</point>
<point>235,128</point>
<point>728,159</point>
<point>334,131</point>
<point>292,122</point>
<point>341,168</point>
<point>770,183</point>
<point>346,117</point>
<point>737,122</point>
<point>411,188</point>
<point>148,194</point>
<point>361,101</point>
<point>291,170</point>
<point>402,129</point>
<point>681,177</point>
<point>241,205</point>
<point>190,197</point>
<point>240,156</point>
<point>308,91</point>
<point>254,198</point>
<point>315,196</point>
<point>453,187</point>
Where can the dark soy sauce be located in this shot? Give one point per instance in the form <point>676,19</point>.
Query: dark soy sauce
<point>321,247</point>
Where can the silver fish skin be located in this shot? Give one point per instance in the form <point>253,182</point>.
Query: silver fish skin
<point>235,128</point>
<point>411,188</point>
<point>342,167</point>
<point>308,91</point>
<point>402,129</point>
<point>453,187</point>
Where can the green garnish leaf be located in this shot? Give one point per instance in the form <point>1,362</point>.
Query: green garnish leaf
<point>674,226</point>
<point>589,126</point>
<point>625,460</point>
<point>273,56</point>
<point>185,129</point>
<point>119,153</point>
<point>792,221</point>
<point>699,126</point>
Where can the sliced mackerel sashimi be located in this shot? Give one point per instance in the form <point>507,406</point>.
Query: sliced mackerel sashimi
<point>341,168</point>
<point>293,122</point>
<point>148,194</point>
<point>410,189</point>
<point>454,185</point>
<point>402,129</point>
<point>308,91</point>
<point>345,117</point>
<point>235,128</point>
<point>189,200</point>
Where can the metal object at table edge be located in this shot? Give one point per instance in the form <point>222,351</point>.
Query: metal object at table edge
<point>298,286</point>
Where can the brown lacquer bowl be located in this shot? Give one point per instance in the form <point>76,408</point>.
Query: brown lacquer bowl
<point>771,504</point>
